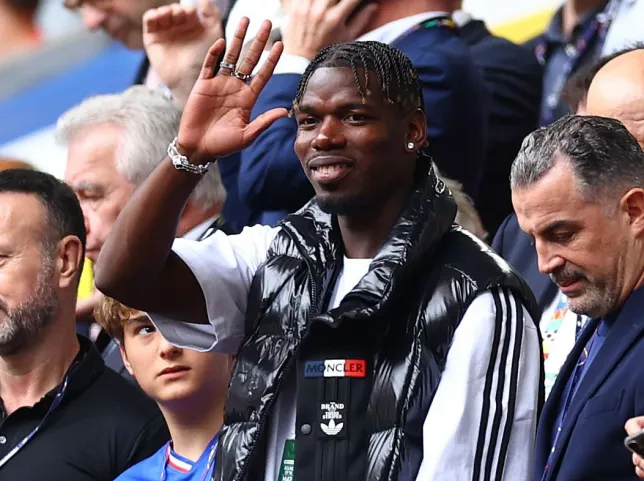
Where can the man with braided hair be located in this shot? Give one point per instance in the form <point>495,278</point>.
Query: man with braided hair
<point>374,339</point>
<point>371,57</point>
<point>456,99</point>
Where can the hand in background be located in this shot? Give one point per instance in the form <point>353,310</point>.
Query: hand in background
<point>216,118</point>
<point>312,25</point>
<point>634,426</point>
<point>176,41</point>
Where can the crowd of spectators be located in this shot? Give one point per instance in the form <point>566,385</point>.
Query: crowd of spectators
<point>362,239</point>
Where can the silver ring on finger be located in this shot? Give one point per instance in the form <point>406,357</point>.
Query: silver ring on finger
<point>227,66</point>
<point>241,76</point>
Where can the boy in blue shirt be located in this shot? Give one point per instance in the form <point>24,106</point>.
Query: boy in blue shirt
<point>189,387</point>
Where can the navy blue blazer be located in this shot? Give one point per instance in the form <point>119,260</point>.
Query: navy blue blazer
<point>515,80</point>
<point>457,105</point>
<point>516,247</point>
<point>591,444</point>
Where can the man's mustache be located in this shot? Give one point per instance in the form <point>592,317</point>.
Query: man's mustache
<point>567,276</point>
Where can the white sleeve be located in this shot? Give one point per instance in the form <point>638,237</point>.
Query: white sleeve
<point>482,422</point>
<point>224,267</point>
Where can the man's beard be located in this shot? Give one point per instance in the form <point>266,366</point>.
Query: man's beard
<point>597,299</point>
<point>343,206</point>
<point>23,325</point>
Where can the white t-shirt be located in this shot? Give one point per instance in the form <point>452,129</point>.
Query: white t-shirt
<point>496,340</point>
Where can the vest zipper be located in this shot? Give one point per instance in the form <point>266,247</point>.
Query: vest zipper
<point>289,362</point>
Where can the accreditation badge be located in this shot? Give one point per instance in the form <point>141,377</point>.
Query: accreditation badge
<point>287,469</point>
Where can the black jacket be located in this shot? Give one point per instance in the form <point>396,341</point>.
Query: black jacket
<point>396,325</point>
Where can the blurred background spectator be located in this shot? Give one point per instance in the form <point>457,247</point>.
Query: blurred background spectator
<point>71,65</point>
<point>7,163</point>
<point>19,31</point>
<point>579,33</point>
<point>114,143</point>
<point>514,79</point>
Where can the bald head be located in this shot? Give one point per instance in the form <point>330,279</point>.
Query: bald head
<point>617,91</point>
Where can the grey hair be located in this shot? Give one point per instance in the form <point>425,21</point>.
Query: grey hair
<point>150,121</point>
<point>605,158</point>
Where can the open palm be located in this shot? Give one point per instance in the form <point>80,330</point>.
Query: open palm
<point>176,40</point>
<point>216,118</point>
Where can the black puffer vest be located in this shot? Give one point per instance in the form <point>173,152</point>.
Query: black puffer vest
<point>366,371</point>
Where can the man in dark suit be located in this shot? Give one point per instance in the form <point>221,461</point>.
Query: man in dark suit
<point>588,226</point>
<point>510,241</point>
<point>514,78</point>
<point>558,327</point>
<point>271,179</point>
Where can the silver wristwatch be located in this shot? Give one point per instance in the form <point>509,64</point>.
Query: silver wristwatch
<point>181,162</point>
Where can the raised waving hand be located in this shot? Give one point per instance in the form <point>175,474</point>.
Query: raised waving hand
<point>176,39</point>
<point>216,118</point>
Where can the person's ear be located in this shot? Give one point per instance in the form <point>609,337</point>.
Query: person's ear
<point>632,204</point>
<point>126,361</point>
<point>69,258</point>
<point>416,135</point>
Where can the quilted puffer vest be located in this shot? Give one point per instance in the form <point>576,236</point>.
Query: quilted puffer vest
<point>366,372</point>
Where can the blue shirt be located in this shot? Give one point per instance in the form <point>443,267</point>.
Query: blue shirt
<point>595,343</point>
<point>177,468</point>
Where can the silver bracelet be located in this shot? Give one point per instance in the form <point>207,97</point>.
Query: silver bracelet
<point>181,162</point>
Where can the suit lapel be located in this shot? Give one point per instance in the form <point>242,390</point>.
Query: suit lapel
<point>628,328</point>
<point>555,400</point>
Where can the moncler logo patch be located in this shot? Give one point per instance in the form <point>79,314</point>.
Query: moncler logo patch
<point>332,418</point>
<point>336,368</point>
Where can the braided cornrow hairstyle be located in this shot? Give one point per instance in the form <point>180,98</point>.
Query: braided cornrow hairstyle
<point>396,75</point>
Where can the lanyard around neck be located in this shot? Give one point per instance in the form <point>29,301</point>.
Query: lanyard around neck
<point>54,405</point>
<point>594,33</point>
<point>436,22</point>
<point>211,458</point>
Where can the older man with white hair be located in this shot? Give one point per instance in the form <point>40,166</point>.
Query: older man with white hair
<point>114,143</point>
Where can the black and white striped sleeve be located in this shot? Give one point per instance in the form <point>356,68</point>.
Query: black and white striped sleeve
<point>482,422</point>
